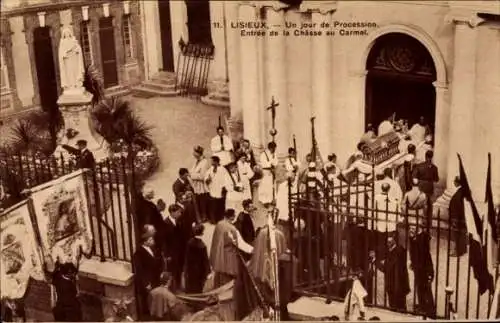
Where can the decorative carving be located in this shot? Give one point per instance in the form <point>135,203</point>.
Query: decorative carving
<point>401,54</point>
<point>401,58</point>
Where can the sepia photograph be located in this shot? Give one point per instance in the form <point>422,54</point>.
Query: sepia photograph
<point>211,160</point>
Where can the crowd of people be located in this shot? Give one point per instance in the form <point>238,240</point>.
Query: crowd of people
<point>222,189</point>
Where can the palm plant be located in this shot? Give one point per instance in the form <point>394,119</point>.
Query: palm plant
<point>116,121</point>
<point>25,137</point>
<point>93,83</point>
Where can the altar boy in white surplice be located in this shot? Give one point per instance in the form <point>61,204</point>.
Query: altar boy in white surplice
<point>268,163</point>
<point>222,147</point>
<point>292,168</point>
<point>238,189</point>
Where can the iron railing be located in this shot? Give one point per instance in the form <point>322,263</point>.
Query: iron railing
<point>338,233</point>
<point>193,68</point>
<point>109,190</point>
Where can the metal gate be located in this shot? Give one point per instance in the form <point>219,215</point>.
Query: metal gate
<point>193,67</point>
<point>334,235</point>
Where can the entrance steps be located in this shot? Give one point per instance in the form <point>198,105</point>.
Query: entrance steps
<point>116,91</point>
<point>161,84</point>
<point>316,309</point>
<point>218,95</point>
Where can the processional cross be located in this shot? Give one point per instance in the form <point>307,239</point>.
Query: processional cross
<point>273,132</point>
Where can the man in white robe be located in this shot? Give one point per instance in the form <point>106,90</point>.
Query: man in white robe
<point>418,131</point>
<point>292,168</point>
<point>238,189</point>
<point>222,146</point>
<point>395,193</point>
<point>422,150</point>
<point>216,179</point>
<point>268,163</point>
<point>385,127</point>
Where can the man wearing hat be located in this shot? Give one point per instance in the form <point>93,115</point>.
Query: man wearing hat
<point>198,172</point>
<point>84,157</point>
<point>457,218</point>
<point>222,146</point>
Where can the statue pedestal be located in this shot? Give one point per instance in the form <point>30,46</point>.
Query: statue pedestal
<point>75,108</point>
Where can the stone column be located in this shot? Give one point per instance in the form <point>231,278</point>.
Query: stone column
<point>353,117</point>
<point>152,37</point>
<point>441,136</point>
<point>462,96</point>
<point>486,114</point>
<point>321,83</point>
<point>22,62</point>
<point>275,47</point>
<point>233,60</point>
<point>248,81</point>
<point>178,22</point>
<point>218,68</point>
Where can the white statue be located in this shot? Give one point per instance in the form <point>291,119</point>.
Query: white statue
<point>70,62</point>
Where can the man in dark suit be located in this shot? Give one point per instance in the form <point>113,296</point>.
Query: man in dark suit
<point>423,269</point>
<point>244,223</point>
<point>196,265</point>
<point>396,281</point>
<point>457,218</point>
<point>146,210</point>
<point>84,157</point>
<point>427,175</point>
<point>148,267</point>
<point>172,247</point>
<point>182,184</point>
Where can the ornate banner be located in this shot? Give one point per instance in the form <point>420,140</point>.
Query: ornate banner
<point>20,257</point>
<point>62,214</point>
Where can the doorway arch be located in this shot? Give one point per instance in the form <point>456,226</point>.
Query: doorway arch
<point>399,81</point>
<point>45,68</point>
<point>358,73</point>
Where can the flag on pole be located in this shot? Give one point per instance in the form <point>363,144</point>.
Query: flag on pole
<point>477,257</point>
<point>490,238</point>
<point>494,310</point>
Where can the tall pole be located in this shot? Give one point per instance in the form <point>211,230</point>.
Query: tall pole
<point>272,234</point>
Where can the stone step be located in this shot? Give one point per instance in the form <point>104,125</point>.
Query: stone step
<point>148,92</point>
<point>163,80</point>
<point>208,100</point>
<point>165,74</point>
<point>158,86</point>
<point>116,91</point>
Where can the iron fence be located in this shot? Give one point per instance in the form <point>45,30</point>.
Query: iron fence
<point>339,230</point>
<point>193,68</point>
<point>110,194</point>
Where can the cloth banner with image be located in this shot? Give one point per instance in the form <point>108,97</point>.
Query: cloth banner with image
<point>20,257</point>
<point>62,214</point>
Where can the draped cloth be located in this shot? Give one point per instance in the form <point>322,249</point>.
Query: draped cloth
<point>261,269</point>
<point>62,214</point>
<point>20,258</point>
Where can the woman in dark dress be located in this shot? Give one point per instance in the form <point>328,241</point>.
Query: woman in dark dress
<point>68,308</point>
<point>64,279</point>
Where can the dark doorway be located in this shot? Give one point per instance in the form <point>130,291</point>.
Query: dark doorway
<point>198,14</point>
<point>108,52</point>
<point>45,69</point>
<point>166,36</point>
<point>400,76</point>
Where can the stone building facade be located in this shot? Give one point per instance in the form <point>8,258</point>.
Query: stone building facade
<point>439,59</point>
<point>109,33</point>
